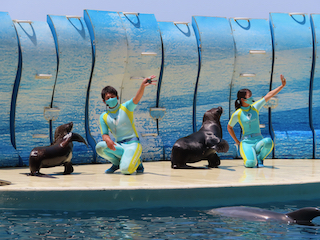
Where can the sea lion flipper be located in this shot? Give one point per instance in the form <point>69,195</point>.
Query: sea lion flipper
<point>223,146</point>
<point>39,174</point>
<point>212,141</point>
<point>78,138</point>
<point>68,138</point>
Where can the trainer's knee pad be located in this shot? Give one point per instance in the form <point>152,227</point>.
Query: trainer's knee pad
<point>250,163</point>
<point>100,147</point>
<point>268,143</point>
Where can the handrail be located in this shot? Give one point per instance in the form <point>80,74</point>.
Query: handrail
<point>247,74</point>
<point>130,13</point>
<point>43,76</point>
<point>73,16</point>
<point>40,135</point>
<point>149,134</point>
<point>241,18</point>
<point>257,52</point>
<point>22,21</point>
<point>296,13</point>
<point>54,109</point>
<point>149,54</point>
<point>51,113</point>
<point>185,23</point>
<point>158,109</point>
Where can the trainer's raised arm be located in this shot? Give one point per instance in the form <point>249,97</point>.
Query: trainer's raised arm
<point>277,90</point>
<point>146,82</point>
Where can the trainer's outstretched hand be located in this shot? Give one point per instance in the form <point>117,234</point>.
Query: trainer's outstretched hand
<point>148,81</point>
<point>283,80</point>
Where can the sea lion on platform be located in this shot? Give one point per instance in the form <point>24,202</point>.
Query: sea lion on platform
<point>58,153</point>
<point>301,216</point>
<point>201,145</point>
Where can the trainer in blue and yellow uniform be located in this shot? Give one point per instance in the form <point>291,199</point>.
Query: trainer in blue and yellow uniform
<point>253,147</point>
<point>125,152</point>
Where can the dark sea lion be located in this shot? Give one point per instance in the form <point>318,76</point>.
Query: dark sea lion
<point>301,216</point>
<point>58,153</point>
<point>201,145</point>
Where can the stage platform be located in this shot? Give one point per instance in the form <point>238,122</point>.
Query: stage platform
<point>89,188</point>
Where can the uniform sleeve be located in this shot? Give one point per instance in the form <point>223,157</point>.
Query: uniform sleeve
<point>259,104</point>
<point>130,105</point>
<point>103,125</point>
<point>234,119</point>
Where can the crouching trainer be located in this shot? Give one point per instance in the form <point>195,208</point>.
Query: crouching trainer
<point>124,153</point>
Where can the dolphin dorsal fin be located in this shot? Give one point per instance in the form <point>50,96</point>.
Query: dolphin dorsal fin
<point>305,215</point>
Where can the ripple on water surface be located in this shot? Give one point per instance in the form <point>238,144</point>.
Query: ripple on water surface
<point>162,223</point>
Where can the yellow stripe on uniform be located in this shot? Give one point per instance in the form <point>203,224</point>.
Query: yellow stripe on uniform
<point>239,120</point>
<point>130,116</point>
<point>270,150</point>
<point>105,120</point>
<point>243,155</point>
<point>135,161</point>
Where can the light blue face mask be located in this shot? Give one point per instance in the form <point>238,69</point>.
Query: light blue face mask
<point>249,100</point>
<point>112,102</point>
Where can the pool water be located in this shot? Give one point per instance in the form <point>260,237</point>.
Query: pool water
<point>161,223</point>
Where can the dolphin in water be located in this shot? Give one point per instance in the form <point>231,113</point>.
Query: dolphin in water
<point>301,216</point>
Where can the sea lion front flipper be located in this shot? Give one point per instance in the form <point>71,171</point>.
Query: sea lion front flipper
<point>68,169</point>
<point>222,146</point>
<point>39,174</point>
<point>78,138</point>
<point>185,166</point>
<point>68,138</point>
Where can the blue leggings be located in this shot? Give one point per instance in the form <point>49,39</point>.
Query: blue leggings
<point>254,150</point>
<point>126,155</point>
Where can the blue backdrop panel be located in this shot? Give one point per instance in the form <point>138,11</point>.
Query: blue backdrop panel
<point>144,60</point>
<point>217,60</point>
<point>180,71</point>
<point>39,65</point>
<point>292,41</point>
<point>253,64</point>
<point>315,22</point>
<point>9,58</point>
<point>110,48</point>
<point>74,69</point>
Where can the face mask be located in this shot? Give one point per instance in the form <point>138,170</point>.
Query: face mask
<point>112,102</point>
<point>249,100</point>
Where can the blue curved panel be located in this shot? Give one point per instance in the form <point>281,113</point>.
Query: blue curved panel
<point>180,72</point>
<point>216,45</point>
<point>110,48</point>
<point>315,110</point>
<point>38,55</point>
<point>74,69</point>
<point>9,58</point>
<point>253,50</point>
<point>293,51</point>
<point>144,60</point>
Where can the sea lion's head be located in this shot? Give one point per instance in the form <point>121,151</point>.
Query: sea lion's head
<point>213,114</point>
<point>62,130</point>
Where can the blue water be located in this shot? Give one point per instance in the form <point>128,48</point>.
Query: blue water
<point>162,223</point>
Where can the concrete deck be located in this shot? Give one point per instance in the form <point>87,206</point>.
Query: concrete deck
<point>89,188</point>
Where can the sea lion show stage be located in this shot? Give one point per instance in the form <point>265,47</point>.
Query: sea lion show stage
<point>89,188</point>
<point>201,64</point>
